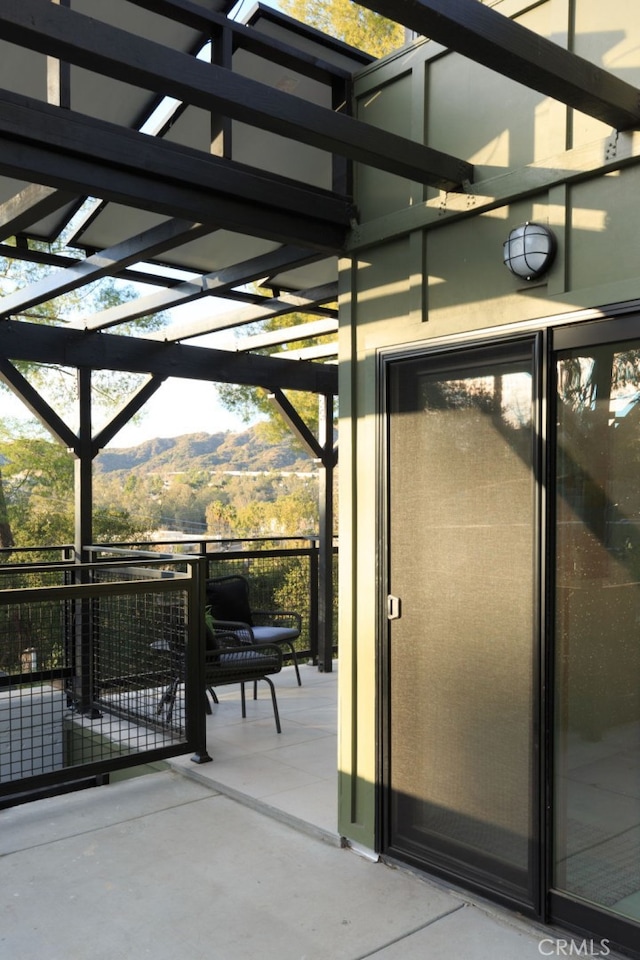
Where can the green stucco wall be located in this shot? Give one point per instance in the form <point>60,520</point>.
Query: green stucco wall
<point>426,265</point>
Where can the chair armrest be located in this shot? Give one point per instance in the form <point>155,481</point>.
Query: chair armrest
<point>278,618</point>
<point>242,632</point>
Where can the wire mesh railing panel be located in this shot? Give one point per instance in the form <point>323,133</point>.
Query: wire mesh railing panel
<point>34,670</point>
<point>278,580</point>
<point>139,644</point>
<point>91,673</point>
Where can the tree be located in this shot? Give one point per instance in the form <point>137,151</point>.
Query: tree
<point>6,537</point>
<point>38,493</point>
<point>220,519</point>
<point>58,384</point>
<point>251,402</point>
<point>347,21</point>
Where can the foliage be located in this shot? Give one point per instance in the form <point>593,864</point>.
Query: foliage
<point>58,383</point>
<point>41,473</point>
<point>251,402</point>
<point>38,491</point>
<point>6,536</point>
<point>131,504</point>
<point>347,21</point>
<point>582,379</point>
<point>201,483</point>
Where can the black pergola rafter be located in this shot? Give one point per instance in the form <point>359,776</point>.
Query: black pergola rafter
<point>69,36</point>
<point>307,301</point>
<point>488,37</point>
<point>33,202</point>
<point>287,335</point>
<point>212,284</point>
<point>243,37</point>
<point>59,148</point>
<point>165,236</point>
<point>41,343</point>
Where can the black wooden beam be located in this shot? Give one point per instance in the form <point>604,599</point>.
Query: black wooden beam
<point>296,424</point>
<point>12,378</point>
<point>125,413</point>
<point>305,302</point>
<point>510,49</point>
<point>164,236</point>
<point>260,44</point>
<point>70,151</point>
<point>20,340</point>
<point>28,206</point>
<point>70,36</point>
<point>211,284</point>
<point>58,260</point>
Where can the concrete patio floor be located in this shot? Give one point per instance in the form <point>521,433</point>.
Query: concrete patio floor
<point>232,860</point>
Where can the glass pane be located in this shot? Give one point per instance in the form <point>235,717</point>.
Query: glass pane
<point>462,529</point>
<point>597,635</point>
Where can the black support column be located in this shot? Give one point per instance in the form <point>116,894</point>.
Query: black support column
<point>325,546</point>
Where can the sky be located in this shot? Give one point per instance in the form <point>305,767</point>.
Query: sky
<point>179,406</point>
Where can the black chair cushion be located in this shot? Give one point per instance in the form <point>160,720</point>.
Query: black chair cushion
<point>229,600</point>
<point>275,634</point>
<point>241,666</point>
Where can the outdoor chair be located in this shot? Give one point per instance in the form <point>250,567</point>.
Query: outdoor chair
<point>229,660</point>
<point>228,601</point>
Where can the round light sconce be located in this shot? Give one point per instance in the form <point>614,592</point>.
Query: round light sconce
<point>529,250</point>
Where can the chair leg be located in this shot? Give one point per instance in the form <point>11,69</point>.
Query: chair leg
<point>295,662</point>
<point>168,699</point>
<point>212,694</point>
<point>275,704</point>
<point>243,700</point>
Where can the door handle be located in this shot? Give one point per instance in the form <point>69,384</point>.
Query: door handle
<point>394,607</point>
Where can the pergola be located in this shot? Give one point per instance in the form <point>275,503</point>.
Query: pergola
<point>224,150</point>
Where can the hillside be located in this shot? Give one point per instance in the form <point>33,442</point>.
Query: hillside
<point>248,451</point>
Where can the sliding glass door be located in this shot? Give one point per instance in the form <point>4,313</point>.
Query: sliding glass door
<point>596,824</point>
<point>511,654</point>
<point>460,752</point>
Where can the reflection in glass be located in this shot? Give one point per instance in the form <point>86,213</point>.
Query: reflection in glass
<point>597,633</point>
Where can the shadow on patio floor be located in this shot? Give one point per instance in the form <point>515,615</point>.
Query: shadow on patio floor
<point>168,865</point>
<point>292,775</point>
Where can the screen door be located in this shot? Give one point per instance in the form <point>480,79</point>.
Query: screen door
<point>458,746</point>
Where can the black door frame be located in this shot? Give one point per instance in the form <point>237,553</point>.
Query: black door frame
<point>585,918</point>
<point>589,328</point>
<point>459,350</point>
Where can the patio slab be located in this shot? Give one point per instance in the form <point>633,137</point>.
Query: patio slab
<point>168,865</point>
<point>164,867</point>
<point>290,776</point>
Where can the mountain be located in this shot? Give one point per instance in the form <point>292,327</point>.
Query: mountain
<point>251,450</point>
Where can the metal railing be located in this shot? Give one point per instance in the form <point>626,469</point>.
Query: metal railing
<point>283,574</point>
<point>88,653</point>
<point>100,662</point>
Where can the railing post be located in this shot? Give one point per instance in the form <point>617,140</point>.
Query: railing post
<point>85,615</point>
<point>196,721</point>
<point>313,601</point>
<point>325,510</point>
